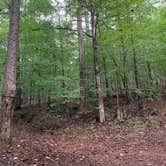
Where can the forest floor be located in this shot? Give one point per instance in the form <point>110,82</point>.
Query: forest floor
<point>135,142</point>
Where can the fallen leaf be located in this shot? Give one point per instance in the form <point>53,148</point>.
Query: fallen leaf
<point>121,154</point>
<point>47,157</point>
<point>15,158</point>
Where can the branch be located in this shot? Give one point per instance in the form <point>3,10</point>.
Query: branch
<point>65,29</point>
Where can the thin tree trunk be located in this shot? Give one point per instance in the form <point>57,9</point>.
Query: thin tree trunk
<point>63,74</point>
<point>9,84</point>
<point>150,73</point>
<point>117,99</point>
<point>106,78</point>
<point>82,62</point>
<point>94,20</point>
<point>62,54</point>
<point>87,27</point>
<point>125,63</point>
<point>39,93</point>
<point>30,91</point>
<point>125,66</point>
<point>116,65</point>
<point>136,72</point>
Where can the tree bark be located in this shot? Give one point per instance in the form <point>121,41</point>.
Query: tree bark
<point>106,78</point>
<point>9,84</point>
<point>94,20</point>
<point>18,101</point>
<point>82,62</point>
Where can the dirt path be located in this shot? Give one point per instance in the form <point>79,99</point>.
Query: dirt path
<point>93,146</point>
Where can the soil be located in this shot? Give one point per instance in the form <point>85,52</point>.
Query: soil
<point>136,142</point>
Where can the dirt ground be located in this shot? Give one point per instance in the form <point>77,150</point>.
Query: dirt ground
<point>89,146</point>
<point>136,142</point>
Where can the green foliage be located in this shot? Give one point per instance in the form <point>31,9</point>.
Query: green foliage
<point>137,123</point>
<point>49,58</point>
<point>51,113</point>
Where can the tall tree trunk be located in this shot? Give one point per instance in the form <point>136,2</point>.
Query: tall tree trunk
<point>106,78</point>
<point>150,73</point>
<point>30,93</point>
<point>82,62</point>
<point>94,19</point>
<point>9,84</point>
<point>125,79</point>
<point>136,72</point>
<point>87,27</point>
<point>63,74</point>
<point>125,66</point>
<point>62,55</point>
<point>119,73</point>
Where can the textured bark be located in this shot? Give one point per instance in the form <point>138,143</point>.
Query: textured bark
<point>82,62</point>
<point>94,19</point>
<point>18,99</point>
<point>9,84</point>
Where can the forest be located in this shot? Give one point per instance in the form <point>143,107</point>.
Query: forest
<point>82,82</point>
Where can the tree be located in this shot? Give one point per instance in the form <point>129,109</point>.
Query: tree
<point>59,62</point>
<point>94,23</point>
<point>9,85</point>
<point>83,102</point>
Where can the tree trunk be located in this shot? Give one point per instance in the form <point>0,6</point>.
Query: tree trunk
<point>82,62</point>
<point>9,84</point>
<point>18,101</point>
<point>63,74</point>
<point>119,73</point>
<point>125,66</point>
<point>87,27</point>
<point>94,19</point>
<point>106,78</point>
<point>150,73</point>
<point>136,72</point>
